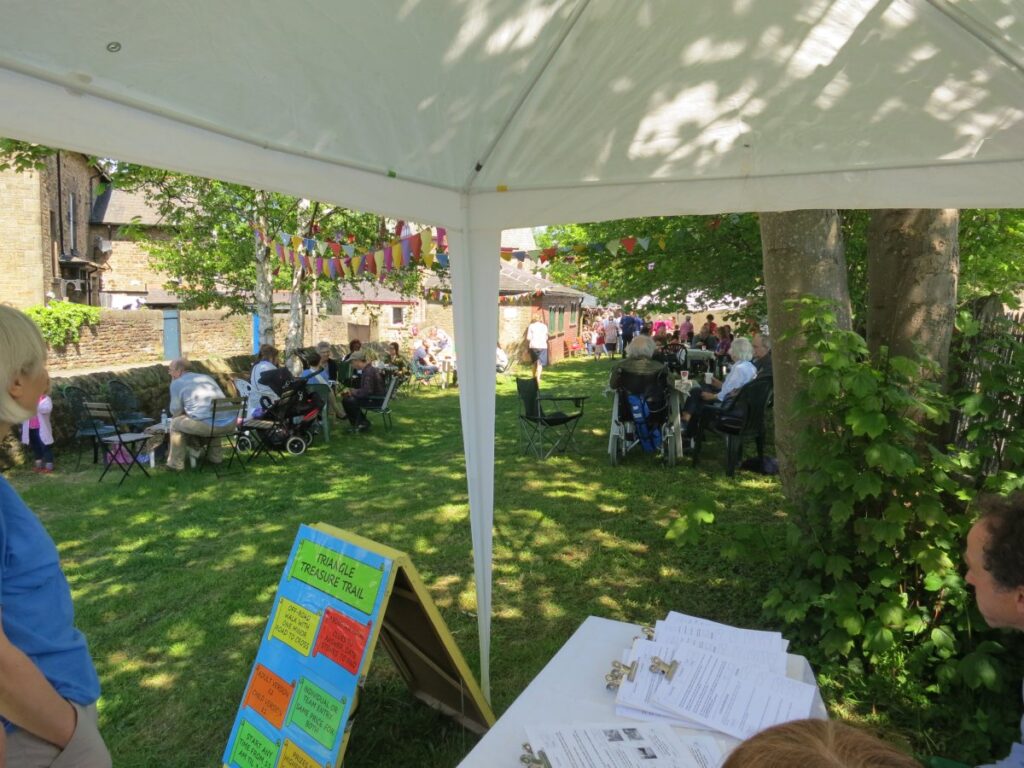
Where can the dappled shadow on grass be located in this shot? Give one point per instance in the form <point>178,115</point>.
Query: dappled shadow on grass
<point>173,577</point>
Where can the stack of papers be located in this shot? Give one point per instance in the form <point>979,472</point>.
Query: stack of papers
<point>616,746</point>
<point>718,678</point>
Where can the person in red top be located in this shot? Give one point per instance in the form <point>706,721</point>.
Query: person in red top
<point>712,325</point>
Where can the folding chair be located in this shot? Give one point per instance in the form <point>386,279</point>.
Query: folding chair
<point>741,416</point>
<point>538,427</point>
<point>227,418</point>
<point>420,377</point>
<point>118,443</point>
<point>125,405</point>
<point>384,408</point>
<point>85,426</point>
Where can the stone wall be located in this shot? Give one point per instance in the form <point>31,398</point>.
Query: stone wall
<point>22,271</point>
<point>137,336</point>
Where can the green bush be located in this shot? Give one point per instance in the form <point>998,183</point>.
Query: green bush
<point>61,322</point>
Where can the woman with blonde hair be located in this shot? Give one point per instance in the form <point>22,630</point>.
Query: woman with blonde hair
<point>817,744</point>
<point>48,684</point>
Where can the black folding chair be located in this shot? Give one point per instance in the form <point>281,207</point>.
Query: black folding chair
<point>383,409</point>
<point>227,420</point>
<point>539,427</point>
<point>125,405</point>
<point>119,445</point>
<point>85,427</point>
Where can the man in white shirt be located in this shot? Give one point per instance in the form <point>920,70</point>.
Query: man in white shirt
<point>537,341</point>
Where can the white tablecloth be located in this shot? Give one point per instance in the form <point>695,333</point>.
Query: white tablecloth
<point>571,689</point>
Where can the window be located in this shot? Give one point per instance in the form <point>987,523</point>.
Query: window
<point>552,320</point>
<point>561,319</point>
<point>572,314</point>
<point>396,316</point>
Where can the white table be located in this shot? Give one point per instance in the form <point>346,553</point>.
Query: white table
<point>571,689</point>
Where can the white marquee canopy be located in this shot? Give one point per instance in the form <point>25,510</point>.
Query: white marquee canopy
<point>481,115</point>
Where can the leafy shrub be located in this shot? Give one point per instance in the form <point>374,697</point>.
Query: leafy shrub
<point>61,322</point>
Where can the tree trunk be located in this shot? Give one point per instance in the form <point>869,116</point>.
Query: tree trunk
<point>293,341</point>
<point>913,267</point>
<point>263,295</point>
<point>803,254</point>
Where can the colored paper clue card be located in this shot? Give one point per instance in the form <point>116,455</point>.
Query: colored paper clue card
<point>301,689</point>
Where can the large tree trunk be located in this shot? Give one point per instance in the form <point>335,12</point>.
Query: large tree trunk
<point>803,254</point>
<point>913,267</point>
<point>263,295</point>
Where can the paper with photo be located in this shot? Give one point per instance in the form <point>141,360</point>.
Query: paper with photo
<point>622,746</point>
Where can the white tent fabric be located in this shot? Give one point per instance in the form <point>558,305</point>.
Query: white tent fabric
<point>481,115</point>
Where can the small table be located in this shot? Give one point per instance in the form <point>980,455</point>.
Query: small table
<point>571,689</point>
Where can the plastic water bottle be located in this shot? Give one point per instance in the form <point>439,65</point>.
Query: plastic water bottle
<point>163,418</point>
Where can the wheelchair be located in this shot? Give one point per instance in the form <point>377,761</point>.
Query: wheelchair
<point>662,405</point>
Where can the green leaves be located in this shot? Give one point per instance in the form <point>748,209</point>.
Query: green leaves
<point>60,322</point>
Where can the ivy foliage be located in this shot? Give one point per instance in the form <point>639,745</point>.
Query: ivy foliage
<point>60,322</point>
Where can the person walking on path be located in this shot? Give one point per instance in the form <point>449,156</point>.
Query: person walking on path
<point>537,342</point>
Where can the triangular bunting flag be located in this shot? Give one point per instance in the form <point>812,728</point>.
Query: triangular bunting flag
<point>357,265</point>
<point>335,247</point>
<point>349,249</point>
<point>369,263</point>
<point>644,242</point>
<point>442,260</point>
<point>346,266</point>
<point>442,239</point>
<point>296,242</point>
<point>629,243</point>
<point>378,262</point>
<point>320,267</point>
<point>613,247</point>
<point>406,252</point>
<point>661,243</point>
<point>415,244</point>
<point>389,259</point>
<point>332,268</point>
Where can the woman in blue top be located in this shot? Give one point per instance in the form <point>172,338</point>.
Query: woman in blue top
<point>48,684</point>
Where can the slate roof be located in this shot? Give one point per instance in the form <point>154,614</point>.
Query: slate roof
<point>116,207</point>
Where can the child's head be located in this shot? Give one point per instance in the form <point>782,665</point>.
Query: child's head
<point>817,744</point>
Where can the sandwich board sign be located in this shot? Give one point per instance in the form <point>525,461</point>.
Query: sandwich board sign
<point>340,595</point>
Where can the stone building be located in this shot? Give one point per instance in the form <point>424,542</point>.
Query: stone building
<point>129,280</point>
<point>46,249</point>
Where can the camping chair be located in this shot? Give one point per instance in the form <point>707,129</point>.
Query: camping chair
<point>420,377</point>
<point>652,425</point>
<point>227,417</point>
<point>742,417</point>
<point>538,428</point>
<point>122,448</point>
<point>125,405</point>
<point>384,408</point>
<point>85,428</point>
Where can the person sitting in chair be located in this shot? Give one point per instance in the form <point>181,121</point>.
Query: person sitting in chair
<point>426,362</point>
<point>370,392</point>
<point>717,393</point>
<point>639,363</point>
<point>192,396</point>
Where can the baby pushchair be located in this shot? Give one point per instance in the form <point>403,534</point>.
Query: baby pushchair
<point>287,424</point>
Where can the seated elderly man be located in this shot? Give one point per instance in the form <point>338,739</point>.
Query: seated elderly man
<point>638,362</point>
<point>192,396</point>
<point>370,392</point>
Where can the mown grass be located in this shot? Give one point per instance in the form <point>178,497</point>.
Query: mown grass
<point>173,577</point>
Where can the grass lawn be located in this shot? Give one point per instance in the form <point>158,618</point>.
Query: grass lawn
<point>173,577</point>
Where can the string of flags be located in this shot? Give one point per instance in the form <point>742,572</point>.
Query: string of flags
<point>330,259</point>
